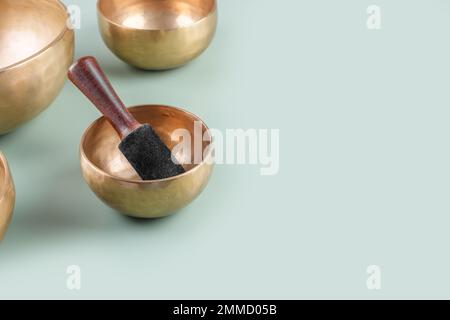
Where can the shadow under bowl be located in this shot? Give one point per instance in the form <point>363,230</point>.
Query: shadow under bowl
<point>115,182</point>
<point>36,51</point>
<point>157,34</point>
<point>7,196</point>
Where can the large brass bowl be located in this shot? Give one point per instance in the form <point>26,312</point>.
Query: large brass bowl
<point>115,182</point>
<point>36,49</point>
<point>157,34</point>
<point>7,196</point>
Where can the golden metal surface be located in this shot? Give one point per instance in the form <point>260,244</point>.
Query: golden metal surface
<point>114,181</point>
<point>36,50</point>
<point>7,196</point>
<point>157,34</point>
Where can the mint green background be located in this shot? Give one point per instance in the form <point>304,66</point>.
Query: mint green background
<point>364,179</point>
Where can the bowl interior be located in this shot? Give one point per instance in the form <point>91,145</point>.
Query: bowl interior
<point>27,27</point>
<point>155,14</point>
<point>100,142</point>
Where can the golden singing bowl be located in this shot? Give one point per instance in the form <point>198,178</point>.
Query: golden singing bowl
<point>7,196</point>
<point>36,50</point>
<point>115,182</point>
<point>157,34</point>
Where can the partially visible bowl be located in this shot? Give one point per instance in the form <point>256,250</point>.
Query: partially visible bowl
<point>115,182</point>
<point>157,34</point>
<point>7,196</point>
<point>36,51</point>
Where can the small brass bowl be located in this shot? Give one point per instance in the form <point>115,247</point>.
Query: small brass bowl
<point>157,34</point>
<point>7,196</point>
<point>36,51</point>
<point>115,182</point>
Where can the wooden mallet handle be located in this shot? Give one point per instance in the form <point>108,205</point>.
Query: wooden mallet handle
<point>87,75</point>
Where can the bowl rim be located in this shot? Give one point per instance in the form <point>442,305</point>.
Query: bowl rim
<point>212,12</point>
<point>144,182</point>
<point>7,178</point>
<point>61,35</point>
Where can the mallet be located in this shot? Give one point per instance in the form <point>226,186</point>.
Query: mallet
<point>142,147</point>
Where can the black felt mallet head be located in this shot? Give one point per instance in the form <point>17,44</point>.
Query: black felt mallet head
<point>140,145</point>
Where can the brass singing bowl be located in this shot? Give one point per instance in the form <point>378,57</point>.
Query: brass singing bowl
<point>157,34</point>
<point>36,51</point>
<point>115,182</point>
<point>7,196</point>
